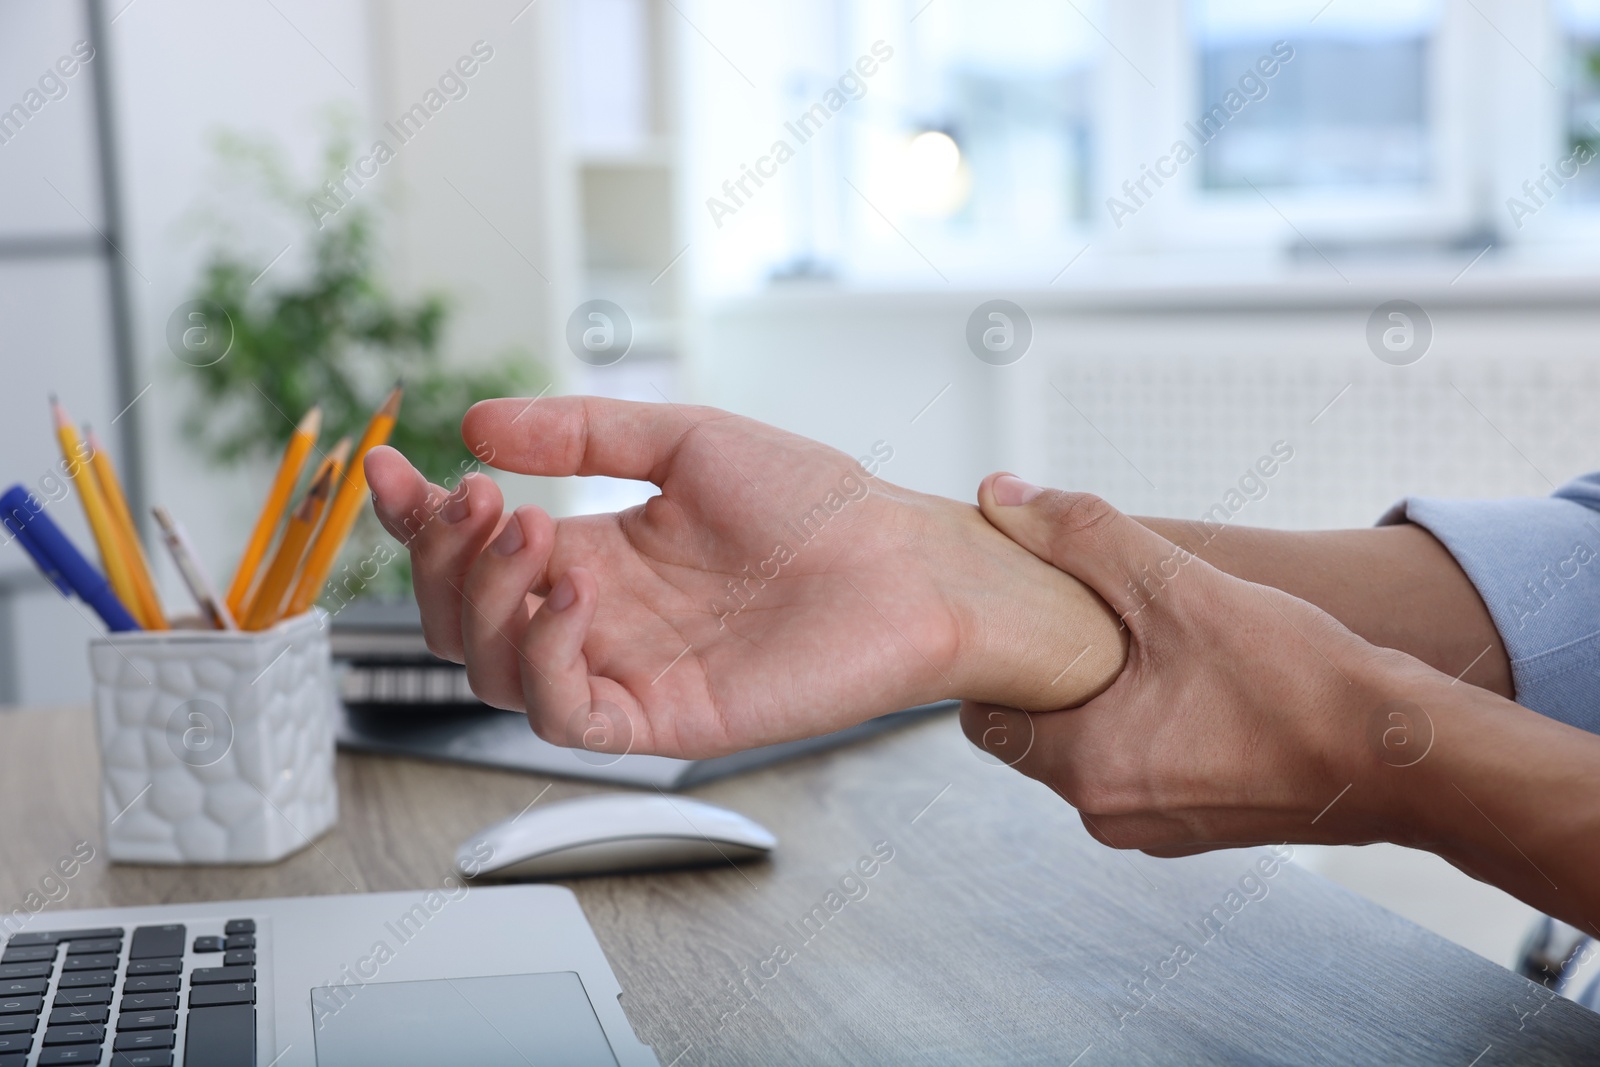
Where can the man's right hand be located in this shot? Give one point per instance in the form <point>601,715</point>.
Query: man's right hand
<point>1246,716</point>
<point>771,591</point>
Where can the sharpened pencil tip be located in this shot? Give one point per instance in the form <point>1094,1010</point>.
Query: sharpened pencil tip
<point>391,404</point>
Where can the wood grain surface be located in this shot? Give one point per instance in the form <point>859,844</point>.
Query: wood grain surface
<point>998,932</point>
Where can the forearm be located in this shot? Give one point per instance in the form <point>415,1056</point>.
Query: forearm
<point>1505,794</point>
<point>1394,586</point>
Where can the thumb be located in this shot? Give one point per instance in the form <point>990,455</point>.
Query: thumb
<point>1127,563</point>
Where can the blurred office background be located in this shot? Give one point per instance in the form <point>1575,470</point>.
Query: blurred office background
<point>941,154</point>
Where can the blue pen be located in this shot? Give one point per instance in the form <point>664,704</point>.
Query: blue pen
<point>46,564</point>
<point>61,563</point>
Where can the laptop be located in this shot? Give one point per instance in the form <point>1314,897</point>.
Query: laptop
<point>495,976</point>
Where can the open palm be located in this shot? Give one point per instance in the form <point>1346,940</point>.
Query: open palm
<point>773,589</point>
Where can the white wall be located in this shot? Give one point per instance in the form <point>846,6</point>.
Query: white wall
<point>1160,401</point>
<point>471,194</point>
<point>853,370</point>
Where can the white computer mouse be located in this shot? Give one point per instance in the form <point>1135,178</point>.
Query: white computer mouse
<point>610,833</point>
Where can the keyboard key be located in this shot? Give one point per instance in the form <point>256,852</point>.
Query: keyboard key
<point>21,1005</point>
<point>22,987</point>
<point>16,1042</point>
<point>32,940</point>
<point>169,966</point>
<point>138,1039</point>
<point>76,1034</point>
<point>149,1001</point>
<point>220,1036</point>
<point>13,1059</point>
<point>152,1058</point>
<point>158,942</point>
<point>239,957</point>
<point>29,955</point>
<point>88,1013</point>
<point>208,944</point>
<point>152,983</point>
<point>18,1024</point>
<point>112,945</point>
<point>239,926</point>
<point>55,937</point>
<point>86,979</point>
<point>95,962</point>
<point>26,970</point>
<point>147,1020</point>
<point>240,941</point>
<point>74,997</point>
<point>211,995</point>
<point>214,975</point>
<point>54,1057</point>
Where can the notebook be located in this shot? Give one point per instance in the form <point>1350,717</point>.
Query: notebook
<point>400,699</point>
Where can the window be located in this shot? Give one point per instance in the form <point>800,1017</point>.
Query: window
<point>1350,109</point>
<point>1011,87</point>
<point>1006,137</point>
<point>988,143</point>
<point>1580,23</point>
<point>899,141</point>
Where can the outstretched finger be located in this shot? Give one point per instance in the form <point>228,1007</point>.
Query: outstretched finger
<point>583,435</point>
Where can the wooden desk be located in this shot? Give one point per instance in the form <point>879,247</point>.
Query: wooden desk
<point>999,932</point>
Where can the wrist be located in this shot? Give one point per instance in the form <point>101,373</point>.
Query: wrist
<point>1502,779</point>
<point>1398,736</point>
<point>1428,748</point>
<point>1501,792</point>
<point>1029,636</point>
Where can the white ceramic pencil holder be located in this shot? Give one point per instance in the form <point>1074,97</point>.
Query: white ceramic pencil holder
<point>216,747</point>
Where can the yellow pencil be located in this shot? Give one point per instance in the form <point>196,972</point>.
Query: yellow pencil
<point>295,453</point>
<point>96,511</point>
<point>105,476</point>
<point>267,601</point>
<point>346,505</point>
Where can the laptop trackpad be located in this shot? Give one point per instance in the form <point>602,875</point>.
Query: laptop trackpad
<point>503,1021</point>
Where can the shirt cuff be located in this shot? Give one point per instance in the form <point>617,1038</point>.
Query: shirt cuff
<point>1536,563</point>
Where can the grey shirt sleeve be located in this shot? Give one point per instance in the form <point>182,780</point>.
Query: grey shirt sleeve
<point>1536,563</point>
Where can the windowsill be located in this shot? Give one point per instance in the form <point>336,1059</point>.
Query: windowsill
<point>1214,284</point>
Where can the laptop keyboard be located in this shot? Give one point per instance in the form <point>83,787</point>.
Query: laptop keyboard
<point>75,996</point>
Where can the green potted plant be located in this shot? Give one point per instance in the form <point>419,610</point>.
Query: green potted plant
<point>335,336</point>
